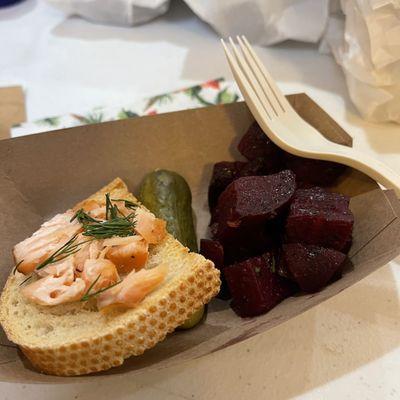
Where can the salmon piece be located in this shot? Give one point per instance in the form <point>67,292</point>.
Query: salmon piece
<point>127,253</point>
<point>93,208</point>
<point>151,228</point>
<point>64,267</point>
<point>53,290</point>
<point>52,235</point>
<point>133,289</point>
<point>103,269</point>
<point>89,250</point>
<point>89,205</point>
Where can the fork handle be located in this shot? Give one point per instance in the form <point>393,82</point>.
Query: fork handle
<point>372,167</point>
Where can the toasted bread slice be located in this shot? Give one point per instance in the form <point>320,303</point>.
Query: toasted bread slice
<point>76,339</point>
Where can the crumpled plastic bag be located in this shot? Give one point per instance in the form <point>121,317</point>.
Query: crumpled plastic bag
<point>367,46</point>
<point>264,22</point>
<point>116,12</point>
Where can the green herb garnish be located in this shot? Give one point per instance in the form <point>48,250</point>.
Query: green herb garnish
<point>89,295</point>
<point>16,267</point>
<point>128,204</point>
<point>116,224</point>
<point>65,251</point>
<point>273,265</point>
<point>25,280</point>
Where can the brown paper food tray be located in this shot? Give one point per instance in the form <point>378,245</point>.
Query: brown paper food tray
<point>44,174</point>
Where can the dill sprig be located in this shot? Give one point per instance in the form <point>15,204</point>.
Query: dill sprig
<point>26,280</point>
<point>16,267</point>
<point>128,204</point>
<point>89,295</point>
<point>116,223</point>
<point>64,251</point>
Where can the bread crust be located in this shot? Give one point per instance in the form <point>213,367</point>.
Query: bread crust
<point>126,333</point>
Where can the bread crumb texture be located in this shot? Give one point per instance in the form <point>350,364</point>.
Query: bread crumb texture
<point>76,339</point>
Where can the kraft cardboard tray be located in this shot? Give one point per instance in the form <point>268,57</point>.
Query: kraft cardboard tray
<point>43,174</point>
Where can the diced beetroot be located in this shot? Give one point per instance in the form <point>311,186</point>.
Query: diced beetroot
<point>314,172</point>
<point>321,218</point>
<point>246,242</point>
<point>312,266</point>
<point>256,144</point>
<point>347,246</point>
<point>254,288</point>
<point>280,266</point>
<point>258,166</point>
<point>254,200</point>
<point>214,251</point>
<point>224,173</point>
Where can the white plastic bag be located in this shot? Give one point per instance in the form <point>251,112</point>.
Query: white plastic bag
<point>265,22</point>
<point>369,53</point>
<point>117,12</point>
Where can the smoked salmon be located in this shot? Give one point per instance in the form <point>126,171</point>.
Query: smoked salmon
<point>79,260</point>
<point>62,287</point>
<point>101,271</point>
<point>127,253</point>
<point>151,228</point>
<point>52,235</point>
<point>134,288</point>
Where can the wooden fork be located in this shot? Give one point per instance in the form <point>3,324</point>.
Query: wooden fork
<point>285,127</point>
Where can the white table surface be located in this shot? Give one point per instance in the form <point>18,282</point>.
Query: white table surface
<point>346,348</point>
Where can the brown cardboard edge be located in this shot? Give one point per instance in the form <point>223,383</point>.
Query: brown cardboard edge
<point>12,109</point>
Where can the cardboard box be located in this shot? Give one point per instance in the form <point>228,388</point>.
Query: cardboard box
<point>43,174</point>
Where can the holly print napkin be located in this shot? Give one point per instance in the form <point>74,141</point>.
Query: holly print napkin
<point>209,93</point>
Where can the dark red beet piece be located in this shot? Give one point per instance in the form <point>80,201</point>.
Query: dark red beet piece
<point>258,166</point>
<point>214,251</point>
<point>224,173</point>
<point>254,288</point>
<point>256,144</point>
<point>314,172</point>
<point>254,200</point>
<point>311,266</point>
<point>321,218</point>
<point>252,241</point>
<point>280,266</point>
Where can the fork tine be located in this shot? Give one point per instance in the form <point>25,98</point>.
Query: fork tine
<point>252,100</point>
<point>280,97</point>
<point>252,80</point>
<point>269,94</point>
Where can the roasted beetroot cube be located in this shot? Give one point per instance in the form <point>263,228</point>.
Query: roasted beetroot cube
<point>224,173</point>
<point>254,288</point>
<point>314,172</point>
<point>256,144</point>
<point>321,218</point>
<point>246,242</point>
<point>280,266</point>
<point>258,166</point>
<point>254,200</point>
<point>312,267</point>
<point>214,251</point>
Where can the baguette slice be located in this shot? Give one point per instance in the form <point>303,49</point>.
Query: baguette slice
<point>76,339</point>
